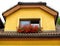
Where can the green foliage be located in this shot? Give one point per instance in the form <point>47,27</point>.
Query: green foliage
<point>58,21</point>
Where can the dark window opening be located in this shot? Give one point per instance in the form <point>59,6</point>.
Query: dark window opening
<point>33,22</point>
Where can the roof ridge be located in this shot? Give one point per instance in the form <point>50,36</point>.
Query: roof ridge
<point>31,3</point>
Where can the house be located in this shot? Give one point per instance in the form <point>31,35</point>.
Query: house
<point>30,14</point>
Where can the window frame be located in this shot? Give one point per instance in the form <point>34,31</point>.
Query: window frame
<point>29,19</point>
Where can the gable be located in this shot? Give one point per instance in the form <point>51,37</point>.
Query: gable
<point>46,20</point>
<point>32,5</point>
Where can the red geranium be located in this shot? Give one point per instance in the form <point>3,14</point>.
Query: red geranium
<point>34,29</point>
<point>28,29</point>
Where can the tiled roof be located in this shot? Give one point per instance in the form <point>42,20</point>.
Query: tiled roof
<point>29,35</point>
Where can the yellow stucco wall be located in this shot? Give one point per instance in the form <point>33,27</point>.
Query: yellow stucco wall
<point>47,20</point>
<point>30,41</point>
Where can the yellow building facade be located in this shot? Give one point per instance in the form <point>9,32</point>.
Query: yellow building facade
<point>47,16</point>
<point>27,11</point>
<point>46,20</point>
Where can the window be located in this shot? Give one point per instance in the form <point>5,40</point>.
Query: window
<point>26,22</point>
<point>35,22</point>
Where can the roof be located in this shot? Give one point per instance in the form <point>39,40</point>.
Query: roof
<point>41,5</point>
<point>30,35</point>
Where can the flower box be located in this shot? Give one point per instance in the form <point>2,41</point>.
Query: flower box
<point>28,29</point>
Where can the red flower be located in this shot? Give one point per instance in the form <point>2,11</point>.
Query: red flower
<point>19,30</point>
<point>28,29</point>
<point>34,29</point>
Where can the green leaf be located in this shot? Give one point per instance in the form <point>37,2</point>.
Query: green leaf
<point>58,21</point>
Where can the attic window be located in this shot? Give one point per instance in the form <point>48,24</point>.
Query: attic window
<point>26,22</point>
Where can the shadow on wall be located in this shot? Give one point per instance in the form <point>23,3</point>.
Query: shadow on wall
<point>1,24</point>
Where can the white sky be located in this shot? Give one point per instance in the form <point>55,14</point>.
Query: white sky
<point>6,4</point>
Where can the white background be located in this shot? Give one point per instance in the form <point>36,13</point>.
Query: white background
<point>6,4</point>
